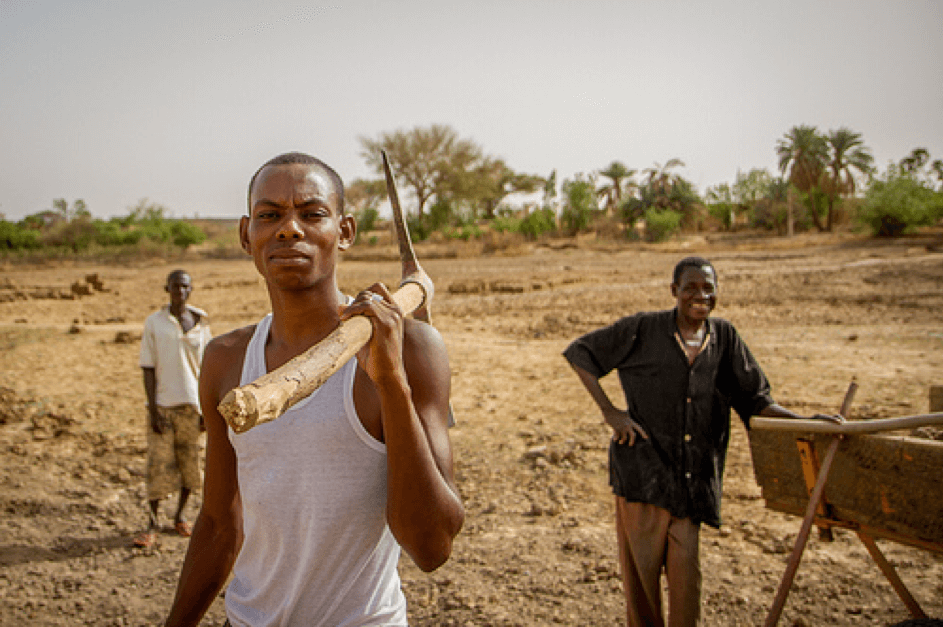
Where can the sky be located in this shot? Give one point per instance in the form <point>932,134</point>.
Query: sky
<point>115,101</point>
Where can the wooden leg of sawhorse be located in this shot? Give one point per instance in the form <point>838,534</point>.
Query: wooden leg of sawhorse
<point>814,499</point>
<point>786,584</point>
<point>891,575</point>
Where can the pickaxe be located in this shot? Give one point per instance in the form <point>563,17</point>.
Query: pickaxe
<point>272,394</point>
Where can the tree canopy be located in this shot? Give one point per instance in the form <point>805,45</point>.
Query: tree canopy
<point>446,170</point>
<point>823,166</point>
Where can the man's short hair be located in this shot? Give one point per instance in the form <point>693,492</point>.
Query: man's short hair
<point>176,273</point>
<point>289,158</point>
<point>691,262</point>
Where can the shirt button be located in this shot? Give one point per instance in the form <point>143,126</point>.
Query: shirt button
<point>687,475</point>
<point>687,437</point>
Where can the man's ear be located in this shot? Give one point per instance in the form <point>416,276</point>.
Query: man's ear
<point>348,229</point>
<point>674,290</point>
<point>244,233</point>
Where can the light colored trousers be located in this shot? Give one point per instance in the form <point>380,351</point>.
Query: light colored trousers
<point>651,539</point>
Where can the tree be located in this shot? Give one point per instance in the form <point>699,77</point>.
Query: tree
<point>660,180</point>
<point>847,153</point>
<point>550,189</point>
<point>491,181</point>
<point>937,168</point>
<point>424,157</point>
<point>64,213</point>
<point>364,197</point>
<point>720,204</point>
<point>917,158</point>
<point>804,152</point>
<point>898,201</point>
<point>620,182</point>
<point>364,193</point>
<point>579,203</point>
<point>751,187</point>
<point>663,190</point>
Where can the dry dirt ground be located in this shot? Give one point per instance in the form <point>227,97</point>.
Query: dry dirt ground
<point>530,451</point>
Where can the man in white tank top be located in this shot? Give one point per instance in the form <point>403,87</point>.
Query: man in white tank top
<point>309,511</point>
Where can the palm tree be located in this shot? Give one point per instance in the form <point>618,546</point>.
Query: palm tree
<point>937,168</point>
<point>917,159</point>
<point>660,181</point>
<point>621,178</point>
<point>847,153</point>
<point>804,153</point>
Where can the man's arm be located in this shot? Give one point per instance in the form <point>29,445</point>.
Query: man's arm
<point>776,410</point>
<point>158,423</point>
<point>623,427</point>
<point>408,364</point>
<point>217,533</point>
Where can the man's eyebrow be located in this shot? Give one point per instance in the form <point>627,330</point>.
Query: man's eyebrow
<point>267,202</point>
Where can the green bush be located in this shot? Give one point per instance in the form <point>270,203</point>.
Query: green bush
<point>16,237</point>
<point>419,227</point>
<point>113,233</point>
<point>183,234</point>
<point>84,234</point>
<point>366,219</point>
<point>897,203</point>
<point>464,232</point>
<point>506,224</point>
<point>538,222</point>
<point>723,213</point>
<point>578,206</point>
<point>661,224</point>
<point>440,214</point>
<point>76,235</point>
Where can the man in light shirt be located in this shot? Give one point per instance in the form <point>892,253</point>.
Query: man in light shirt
<point>171,353</point>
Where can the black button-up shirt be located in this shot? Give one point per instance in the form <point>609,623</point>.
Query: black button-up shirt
<point>684,408</point>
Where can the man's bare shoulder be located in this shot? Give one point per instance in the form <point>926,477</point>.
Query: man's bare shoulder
<point>229,347</point>
<point>424,352</point>
<point>421,337</point>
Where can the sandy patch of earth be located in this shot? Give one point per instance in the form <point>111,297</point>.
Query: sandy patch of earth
<point>537,547</point>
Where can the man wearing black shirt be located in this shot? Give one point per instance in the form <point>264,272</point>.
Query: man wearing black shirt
<point>681,372</point>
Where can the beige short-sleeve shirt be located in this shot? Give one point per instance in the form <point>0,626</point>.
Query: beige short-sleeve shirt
<point>175,356</point>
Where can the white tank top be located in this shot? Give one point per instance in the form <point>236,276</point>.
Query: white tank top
<point>317,549</point>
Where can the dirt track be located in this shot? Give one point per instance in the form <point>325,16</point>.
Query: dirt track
<point>537,547</point>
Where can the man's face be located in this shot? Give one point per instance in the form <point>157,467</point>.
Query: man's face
<point>696,293</point>
<point>179,288</point>
<point>294,228</point>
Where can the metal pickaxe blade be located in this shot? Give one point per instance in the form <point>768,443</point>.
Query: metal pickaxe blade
<point>411,269</point>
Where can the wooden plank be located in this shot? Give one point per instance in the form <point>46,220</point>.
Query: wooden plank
<point>883,482</point>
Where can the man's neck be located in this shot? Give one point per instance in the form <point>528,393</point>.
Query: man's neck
<point>301,318</point>
<point>177,310</point>
<point>689,326</point>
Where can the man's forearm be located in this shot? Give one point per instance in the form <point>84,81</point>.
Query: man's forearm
<point>595,390</point>
<point>150,387</point>
<point>423,510</point>
<point>209,560</point>
<point>778,411</point>
<point>775,410</point>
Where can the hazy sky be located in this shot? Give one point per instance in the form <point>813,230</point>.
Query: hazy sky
<point>113,101</point>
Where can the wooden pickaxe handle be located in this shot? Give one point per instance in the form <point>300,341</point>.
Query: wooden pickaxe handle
<point>272,394</point>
